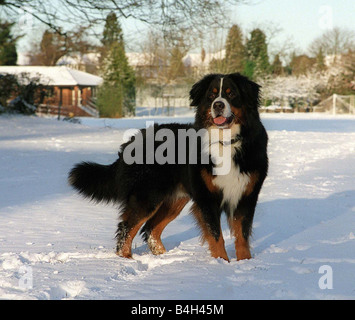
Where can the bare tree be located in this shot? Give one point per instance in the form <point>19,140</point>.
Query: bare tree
<point>333,42</point>
<point>54,45</point>
<point>169,15</point>
<point>342,75</point>
<point>302,64</point>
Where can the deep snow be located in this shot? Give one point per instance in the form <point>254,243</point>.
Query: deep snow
<point>56,245</point>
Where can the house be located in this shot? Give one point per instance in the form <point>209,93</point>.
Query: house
<point>88,62</point>
<point>199,64</point>
<point>68,91</point>
<point>157,91</point>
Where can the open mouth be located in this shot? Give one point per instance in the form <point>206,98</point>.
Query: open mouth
<point>222,121</point>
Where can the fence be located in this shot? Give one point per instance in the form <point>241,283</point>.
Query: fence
<point>337,104</point>
<point>166,98</point>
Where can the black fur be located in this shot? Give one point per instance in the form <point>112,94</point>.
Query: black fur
<point>95,181</point>
<point>141,188</point>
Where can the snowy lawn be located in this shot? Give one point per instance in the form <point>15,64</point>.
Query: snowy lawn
<point>55,245</point>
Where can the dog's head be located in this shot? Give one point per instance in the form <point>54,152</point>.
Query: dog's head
<point>225,100</point>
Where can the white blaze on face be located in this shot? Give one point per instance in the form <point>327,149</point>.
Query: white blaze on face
<point>220,88</point>
<point>227,112</point>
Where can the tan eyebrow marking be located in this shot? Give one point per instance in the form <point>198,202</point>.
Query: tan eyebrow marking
<point>215,90</point>
<point>228,90</point>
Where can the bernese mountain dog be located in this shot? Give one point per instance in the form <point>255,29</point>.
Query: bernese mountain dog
<point>151,192</point>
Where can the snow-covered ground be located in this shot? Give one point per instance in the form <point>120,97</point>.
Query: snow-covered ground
<point>56,245</point>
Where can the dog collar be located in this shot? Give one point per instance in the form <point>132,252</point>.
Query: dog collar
<point>233,141</point>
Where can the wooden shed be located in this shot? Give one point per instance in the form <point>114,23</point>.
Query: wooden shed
<point>68,91</point>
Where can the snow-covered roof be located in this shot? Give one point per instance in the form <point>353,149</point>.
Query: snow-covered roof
<point>77,59</point>
<point>195,59</point>
<point>55,76</point>
<point>136,59</point>
<point>22,59</point>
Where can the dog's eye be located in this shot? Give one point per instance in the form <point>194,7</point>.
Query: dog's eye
<point>230,94</point>
<point>212,96</point>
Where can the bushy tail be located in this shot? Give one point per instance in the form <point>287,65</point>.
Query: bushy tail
<point>95,181</point>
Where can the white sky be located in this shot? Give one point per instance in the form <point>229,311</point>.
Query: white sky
<point>299,21</point>
<point>302,20</point>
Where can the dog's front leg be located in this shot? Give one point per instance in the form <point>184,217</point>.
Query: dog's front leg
<point>210,225</point>
<point>241,226</point>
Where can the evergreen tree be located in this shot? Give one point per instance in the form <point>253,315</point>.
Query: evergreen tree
<point>8,85</point>
<point>276,67</point>
<point>116,96</point>
<point>257,59</point>
<point>8,53</point>
<point>234,60</point>
<point>249,69</point>
<point>112,31</point>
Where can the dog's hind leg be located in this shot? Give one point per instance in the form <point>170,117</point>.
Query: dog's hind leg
<point>128,228</point>
<point>154,227</point>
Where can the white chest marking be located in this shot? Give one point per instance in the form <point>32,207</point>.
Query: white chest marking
<point>233,186</point>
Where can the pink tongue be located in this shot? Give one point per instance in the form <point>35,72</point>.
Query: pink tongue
<point>219,120</point>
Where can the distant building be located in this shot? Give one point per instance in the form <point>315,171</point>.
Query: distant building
<point>72,90</point>
<point>155,91</point>
<point>200,64</point>
<point>88,62</point>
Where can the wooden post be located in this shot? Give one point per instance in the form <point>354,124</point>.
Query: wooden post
<point>76,102</point>
<point>351,104</point>
<point>334,103</point>
<point>60,102</point>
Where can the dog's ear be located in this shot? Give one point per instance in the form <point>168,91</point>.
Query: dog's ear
<point>250,90</point>
<point>199,89</point>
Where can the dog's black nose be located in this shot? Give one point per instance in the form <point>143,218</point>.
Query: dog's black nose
<point>218,107</point>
